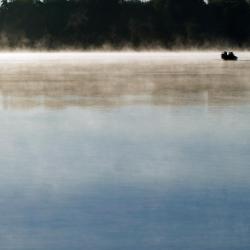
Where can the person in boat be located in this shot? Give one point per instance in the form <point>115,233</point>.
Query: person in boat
<point>232,56</point>
<point>224,55</point>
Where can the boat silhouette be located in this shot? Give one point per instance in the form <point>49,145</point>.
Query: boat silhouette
<point>228,56</point>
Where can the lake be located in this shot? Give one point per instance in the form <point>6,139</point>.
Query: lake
<point>123,151</point>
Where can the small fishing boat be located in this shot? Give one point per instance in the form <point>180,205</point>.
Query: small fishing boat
<point>228,56</point>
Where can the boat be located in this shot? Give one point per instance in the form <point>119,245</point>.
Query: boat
<point>229,56</point>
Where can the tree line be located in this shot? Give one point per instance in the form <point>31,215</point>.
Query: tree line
<point>118,23</point>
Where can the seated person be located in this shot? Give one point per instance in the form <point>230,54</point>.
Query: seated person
<point>231,55</point>
<point>224,55</point>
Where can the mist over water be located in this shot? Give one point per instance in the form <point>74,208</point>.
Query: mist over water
<point>77,78</point>
<point>124,151</point>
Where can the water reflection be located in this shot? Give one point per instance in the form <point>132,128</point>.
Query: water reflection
<point>134,151</point>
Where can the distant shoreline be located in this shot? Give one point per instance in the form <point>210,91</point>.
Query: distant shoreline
<point>125,49</point>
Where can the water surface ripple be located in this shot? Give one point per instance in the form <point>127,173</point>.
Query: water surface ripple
<point>124,151</point>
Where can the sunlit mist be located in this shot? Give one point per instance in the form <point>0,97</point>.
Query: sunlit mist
<point>74,78</point>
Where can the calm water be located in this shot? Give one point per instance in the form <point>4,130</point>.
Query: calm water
<point>124,151</point>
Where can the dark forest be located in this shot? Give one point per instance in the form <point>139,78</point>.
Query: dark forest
<point>118,23</point>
